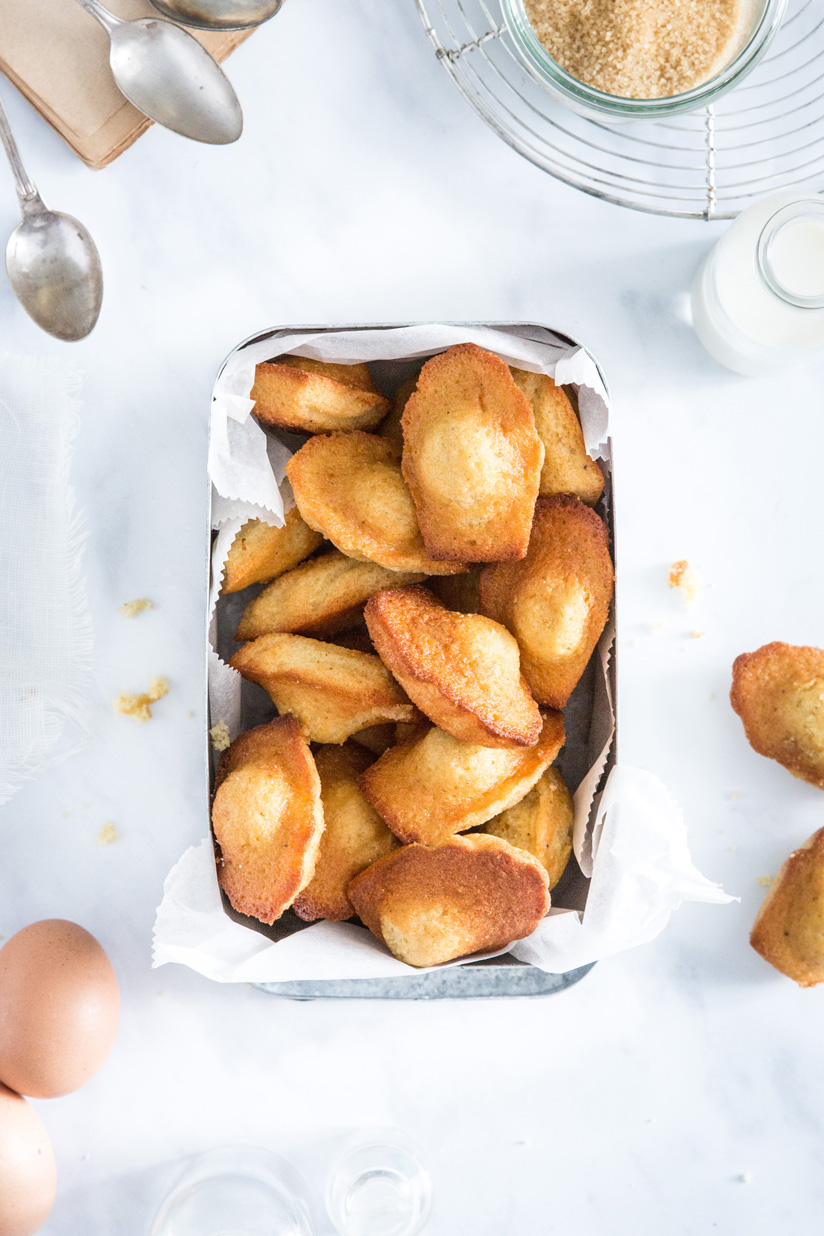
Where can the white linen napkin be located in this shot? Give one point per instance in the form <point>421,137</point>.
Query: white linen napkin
<point>45,627</point>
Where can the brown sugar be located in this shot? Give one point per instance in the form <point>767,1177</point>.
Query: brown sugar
<point>639,49</point>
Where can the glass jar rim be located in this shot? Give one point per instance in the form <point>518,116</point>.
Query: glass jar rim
<point>538,60</point>
<point>805,207</point>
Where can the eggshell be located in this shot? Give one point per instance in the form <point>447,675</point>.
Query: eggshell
<point>59,1009</point>
<point>28,1177</point>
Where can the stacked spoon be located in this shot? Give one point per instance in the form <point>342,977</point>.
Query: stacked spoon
<point>52,262</point>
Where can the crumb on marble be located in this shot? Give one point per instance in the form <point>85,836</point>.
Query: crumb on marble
<point>734,795</point>
<point>64,815</point>
<point>190,713</point>
<point>219,735</point>
<point>765,881</point>
<point>745,1178</point>
<point>108,834</point>
<point>139,706</point>
<point>685,577</point>
<point>696,634</point>
<point>711,697</point>
<point>132,608</point>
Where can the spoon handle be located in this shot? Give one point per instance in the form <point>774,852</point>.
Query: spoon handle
<point>107,20</point>
<point>26,189</point>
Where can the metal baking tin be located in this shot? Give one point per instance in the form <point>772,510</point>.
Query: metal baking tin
<point>493,978</point>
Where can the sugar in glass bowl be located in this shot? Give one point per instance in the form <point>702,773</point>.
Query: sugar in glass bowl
<point>763,21</point>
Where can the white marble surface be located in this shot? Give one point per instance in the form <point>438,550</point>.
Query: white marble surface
<point>676,1089</point>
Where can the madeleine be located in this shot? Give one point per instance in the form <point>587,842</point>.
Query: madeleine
<point>312,396</point>
<point>267,819</point>
<point>778,692</point>
<point>567,468</point>
<point>541,823</point>
<point>354,835</point>
<point>261,552</point>
<point>556,601</point>
<point>433,905</point>
<point>432,785</point>
<point>349,486</point>
<point>789,929</point>
<point>471,457</point>
<point>462,670</point>
<point>319,597</point>
<point>333,692</point>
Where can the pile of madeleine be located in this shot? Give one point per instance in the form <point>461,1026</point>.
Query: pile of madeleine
<point>430,604</point>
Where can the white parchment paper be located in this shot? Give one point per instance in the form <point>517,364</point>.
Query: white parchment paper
<point>632,845</point>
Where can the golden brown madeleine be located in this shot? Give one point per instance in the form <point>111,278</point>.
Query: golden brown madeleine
<point>354,835</point>
<point>556,601</point>
<point>433,785</point>
<point>789,929</point>
<point>267,818</point>
<point>462,670</point>
<point>778,692</point>
<point>541,823</point>
<point>333,692</point>
<point>459,592</point>
<point>320,597</point>
<point>472,457</point>
<point>349,486</point>
<point>567,467</point>
<point>261,552</point>
<point>390,428</point>
<point>432,905</point>
<point>311,396</point>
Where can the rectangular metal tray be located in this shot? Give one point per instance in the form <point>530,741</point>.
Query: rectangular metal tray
<point>489,979</point>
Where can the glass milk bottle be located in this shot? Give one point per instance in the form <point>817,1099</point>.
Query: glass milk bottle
<point>758,298</point>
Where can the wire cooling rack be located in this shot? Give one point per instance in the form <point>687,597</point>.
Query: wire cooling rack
<point>764,136</point>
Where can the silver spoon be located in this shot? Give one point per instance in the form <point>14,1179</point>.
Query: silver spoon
<point>52,263</point>
<point>169,77</point>
<point>219,14</point>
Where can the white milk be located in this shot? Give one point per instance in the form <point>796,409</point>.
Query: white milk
<point>758,298</point>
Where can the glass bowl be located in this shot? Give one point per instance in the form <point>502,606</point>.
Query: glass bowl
<point>587,101</point>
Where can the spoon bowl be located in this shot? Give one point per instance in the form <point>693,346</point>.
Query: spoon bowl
<point>167,75</point>
<point>54,270</point>
<point>170,77</point>
<point>219,14</point>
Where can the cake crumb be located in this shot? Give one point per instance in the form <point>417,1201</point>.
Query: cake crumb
<point>745,1178</point>
<point>734,795</point>
<point>684,576</point>
<point>765,881</point>
<point>107,834</point>
<point>696,634</point>
<point>139,706</point>
<point>219,735</point>
<point>132,608</point>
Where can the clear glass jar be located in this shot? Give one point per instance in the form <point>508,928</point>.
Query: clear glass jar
<point>758,297</point>
<point>236,1191</point>
<point>762,25</point>
<point>379,1186</point>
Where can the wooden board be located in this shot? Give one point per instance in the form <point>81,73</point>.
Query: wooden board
<point>57,55</point>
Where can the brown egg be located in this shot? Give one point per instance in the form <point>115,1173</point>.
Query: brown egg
<point>27,1173</point>
<point>59,1009</point>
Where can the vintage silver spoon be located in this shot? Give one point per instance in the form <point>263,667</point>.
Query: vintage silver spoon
<point>169,77</point>
<point>219,14</point>
<point>52,263</point>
